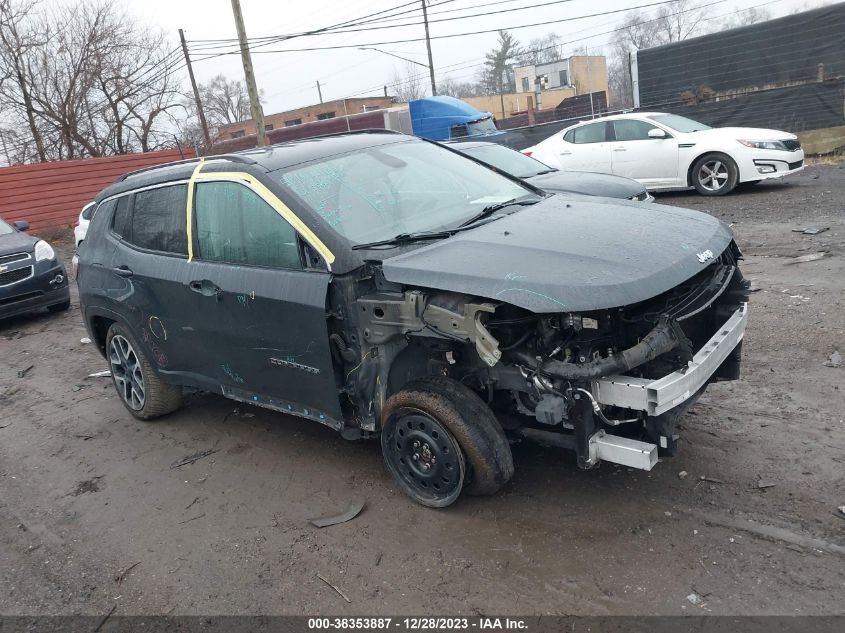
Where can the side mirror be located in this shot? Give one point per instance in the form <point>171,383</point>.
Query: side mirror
<point>656,133</point>
<point>22,225</point>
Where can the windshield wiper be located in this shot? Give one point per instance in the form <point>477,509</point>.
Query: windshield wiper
<point>404,238</point>
<point>491,209</point>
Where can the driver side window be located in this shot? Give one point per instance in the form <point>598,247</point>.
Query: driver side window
<point>236,226</point>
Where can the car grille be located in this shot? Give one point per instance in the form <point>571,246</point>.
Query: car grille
<point>15,257</point>
<point>796,164</point>
<point>792,145</point>
<point>14,276</point>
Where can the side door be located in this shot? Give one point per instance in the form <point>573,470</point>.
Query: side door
<point>147,271</point>
<point>260,313</point>
<point>586,148</point>
<point>635,154</point>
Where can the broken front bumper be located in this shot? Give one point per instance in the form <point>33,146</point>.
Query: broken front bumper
<point>658,396</point>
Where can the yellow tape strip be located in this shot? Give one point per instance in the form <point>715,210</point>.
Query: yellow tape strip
<point>270,198</point>
<point>190,210</point>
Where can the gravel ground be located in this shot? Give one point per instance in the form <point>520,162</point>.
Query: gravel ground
<point>93,517</point>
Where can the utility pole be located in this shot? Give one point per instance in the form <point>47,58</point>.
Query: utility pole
<point>249,76</point>
<point>203,123</point>
<point>428,46</point>
<point>319,92</point>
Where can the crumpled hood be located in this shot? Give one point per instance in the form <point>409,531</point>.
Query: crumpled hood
<point>589,183</point>
<point>569,254</point>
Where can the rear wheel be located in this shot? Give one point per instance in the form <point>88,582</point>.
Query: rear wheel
<point>439,437</point>
<point>714,175</point>
<point>143,394</point>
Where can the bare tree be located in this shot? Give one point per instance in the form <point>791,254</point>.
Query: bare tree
<point>17,41</point>
<point>541,50</point>
<point>752,15</point>
<point>458,89</point>
<point>224,101</point>
<point>408,85</point>
<point>87,80</point>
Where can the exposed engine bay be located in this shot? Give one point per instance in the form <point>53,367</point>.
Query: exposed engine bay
<point>565,379</point>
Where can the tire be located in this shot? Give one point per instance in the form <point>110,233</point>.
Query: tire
<point>714,175</point>
<point>59,307</point>
<point>449,420</point>
<point>137,384</point>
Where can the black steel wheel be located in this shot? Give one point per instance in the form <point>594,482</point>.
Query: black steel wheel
<point>424,457</point>
<point>466,431</point>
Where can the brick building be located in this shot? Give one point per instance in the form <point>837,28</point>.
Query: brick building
<point>316,112</point>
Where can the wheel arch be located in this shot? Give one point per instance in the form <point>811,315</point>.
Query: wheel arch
<point>704,153</point>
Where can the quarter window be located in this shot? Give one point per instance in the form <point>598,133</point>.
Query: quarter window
<point>632,130</point>
<point>236,226</point>
<point>158,220</point>
<point>592,133</point>
<point>120,225</point>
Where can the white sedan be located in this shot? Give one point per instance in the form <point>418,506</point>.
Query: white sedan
<point>80,229</point>
<point>667,151</point>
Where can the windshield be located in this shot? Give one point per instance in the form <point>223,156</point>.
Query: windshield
<point>484,126</point>
<point>679,123</point>
<point>508,160</point>
<point>406,187</point>
<point>5,229</point>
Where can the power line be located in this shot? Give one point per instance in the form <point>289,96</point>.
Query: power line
<point>439,37</point>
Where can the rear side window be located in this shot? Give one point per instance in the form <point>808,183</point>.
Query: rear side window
<point>593,133</point>
<point>158,220</point>
<point>236,226</point>
<point>88,212</point>
<point>120,225</point>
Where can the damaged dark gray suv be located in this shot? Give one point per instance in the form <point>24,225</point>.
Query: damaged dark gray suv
<point>385,286</point>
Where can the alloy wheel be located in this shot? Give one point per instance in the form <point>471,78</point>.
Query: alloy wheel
<point>126,371</point>
<point>713,175</point>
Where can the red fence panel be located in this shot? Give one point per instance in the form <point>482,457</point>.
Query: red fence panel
<point>52,194</point>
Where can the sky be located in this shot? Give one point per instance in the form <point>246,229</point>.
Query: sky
<point>288,79</point>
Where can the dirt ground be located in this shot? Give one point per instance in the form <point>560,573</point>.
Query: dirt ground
<point>93,516</point>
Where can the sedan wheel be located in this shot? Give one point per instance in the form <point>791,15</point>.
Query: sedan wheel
<point>714,175</point>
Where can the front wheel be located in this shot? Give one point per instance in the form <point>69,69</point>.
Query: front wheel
<point>438,437</point>
<point>714,175</point>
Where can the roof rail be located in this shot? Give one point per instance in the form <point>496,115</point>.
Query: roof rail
<point>235,158</point>
<point>373,130</point>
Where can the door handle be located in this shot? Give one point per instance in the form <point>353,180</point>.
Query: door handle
<point>567,153</point>
<point>206,288</point>
<point>619,149</point>
<point>122,271</point>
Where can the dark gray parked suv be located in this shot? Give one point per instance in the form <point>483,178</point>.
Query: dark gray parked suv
<point>386,286</point>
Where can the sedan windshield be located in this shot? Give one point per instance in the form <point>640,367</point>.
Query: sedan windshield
<point>5,229</point>
<point>508,160</point>
<point>679,123</point>
<point>401,188</point>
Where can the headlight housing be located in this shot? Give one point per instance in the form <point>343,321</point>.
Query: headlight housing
<point>778,145</point>
<point>44,251</point>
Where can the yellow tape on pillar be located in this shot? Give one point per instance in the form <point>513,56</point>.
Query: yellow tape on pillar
<point>190,209</point>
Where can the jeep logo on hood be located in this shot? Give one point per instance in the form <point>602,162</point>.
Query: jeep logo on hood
<point>703,257</point>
